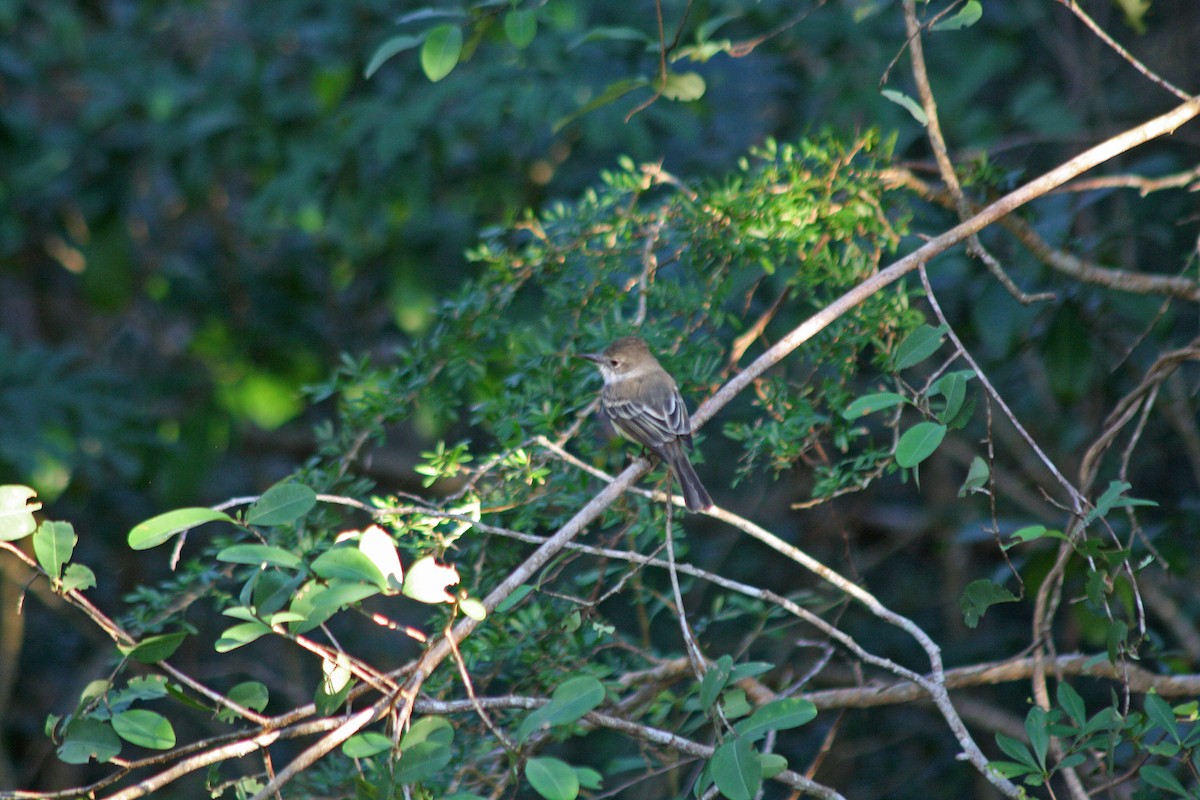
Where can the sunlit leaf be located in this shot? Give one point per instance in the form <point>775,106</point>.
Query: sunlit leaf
<point>16,513</point>
<point>157,530</point>
<point>440,52</point>
<point>144,728</point>
<point>282,503</point>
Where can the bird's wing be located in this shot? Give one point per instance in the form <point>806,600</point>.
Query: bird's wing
<point>657,419</point>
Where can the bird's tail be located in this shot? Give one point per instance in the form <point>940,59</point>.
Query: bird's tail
<point>695,496</point>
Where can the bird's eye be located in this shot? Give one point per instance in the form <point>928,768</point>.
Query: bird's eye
<point>615,363</point>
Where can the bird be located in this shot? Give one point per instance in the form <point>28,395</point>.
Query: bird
<point>643,403</point>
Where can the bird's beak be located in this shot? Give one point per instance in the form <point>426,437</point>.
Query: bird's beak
<point>593,357</point>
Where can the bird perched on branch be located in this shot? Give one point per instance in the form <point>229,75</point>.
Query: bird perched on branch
<point>645,406</point>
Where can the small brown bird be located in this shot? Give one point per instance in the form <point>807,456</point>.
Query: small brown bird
<point>644,405</point>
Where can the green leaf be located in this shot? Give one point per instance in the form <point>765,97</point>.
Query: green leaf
<point>365,745</point>
<point>772,764</point>
<point>1039,736</point>
<point>144,728</point>
<point>979,596</point>
<point>611,93</point>
<point>871,403</point>
<point>551,778</point>
<point>967,16</point>
<point>283,503</point>
<point>789,712</point>
<point>1030,533</point>
<point>1160,713</point>
<point>919,345</point>
<point>425,750</point>
<point>715,679</point>
<point>613,33</point>
<point>1161,778</point>
<point>1113,497</point>
<point>908,104</point>
<point>248,694</point>
<point>918,443</point>
<point>394,45</point>
<point>16,514</point>
<point>238,635</point>
<point>510,602</point>
<point>977,477</point>
<point>736,769</point>
<point>349,564</point>
<point>684,87</point>
<point>1015,749</point>
<point>154,649</point>
<point>1070,702</point>
<point>952,386</point>
<point>316,603</point>
<point>258,554</point>
<point>570,701</point>
<point>86,738</point>
<point>53,543</point>
<point>440,52</point>
<point>157,530</point>
<point>750,669</point>
<point>520,26</point>
<point>77,577</point>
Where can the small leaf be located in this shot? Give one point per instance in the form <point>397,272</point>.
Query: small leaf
<point>16,514</point>
<point>1161,778</point>
<point>736,769</point>
<point>715,679</point>
<point>772,764</point>
<point>967,16</point>
<point>613,33</point>
<point>250,694</point>
<point>377,545</point>
<point>440,52</point>
<point>979,596</point>
<point>510,602</point>
<point>427,580</point>
<point>473,608</point>
<point>349,564</point>
<point>154,649</point>
<point>77,577</point>
<point>919,345</point>
<point>952,386</point>
<point>365,745</point>
<point>53,543</point>
<point>570,701</point>
<point>238,635</point>
<point>86,738</point>
<point>1160,713</point>
<point>1070,702</point>
<point>1039,736</point>
<point>157,530</point>
<point>425,750</point>
<point>282,503</point>
<point>551,778</point>
<point>871,403</point>
<point>144,728</point>
<point>611,93</point>
<point>684,87</point>
<point>520,26</point>
<point>260,554</point>
<point>908,104</point>
<point>394,45</point>
<point>1113,497</point>
<point>977,477</point>
<point>1015,749</point>
<point>788,712</point>
<point>918,443</point>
